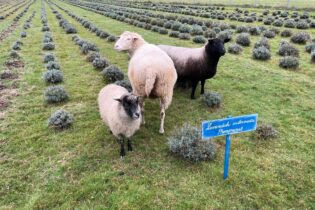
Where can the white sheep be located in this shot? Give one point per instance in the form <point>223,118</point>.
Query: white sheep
<point>120,111</point>
<point>151,71</point>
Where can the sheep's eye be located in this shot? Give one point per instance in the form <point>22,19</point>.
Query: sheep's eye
<point>128,39</point>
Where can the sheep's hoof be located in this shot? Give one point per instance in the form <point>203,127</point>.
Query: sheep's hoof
<point>121,158</point>
<point>122,154</point>
<point>161,131</point>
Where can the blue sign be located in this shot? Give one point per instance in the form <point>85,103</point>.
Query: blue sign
<point>228,126</point>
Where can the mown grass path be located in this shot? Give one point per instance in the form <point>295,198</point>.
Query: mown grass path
<point>80,167</point>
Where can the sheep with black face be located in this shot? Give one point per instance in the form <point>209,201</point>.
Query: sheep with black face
<point>196,64</point>
<point>121,112</point>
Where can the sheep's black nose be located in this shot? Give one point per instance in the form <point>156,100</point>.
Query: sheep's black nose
<point>136,115</point>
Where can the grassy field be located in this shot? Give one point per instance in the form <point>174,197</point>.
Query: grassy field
<point>237,23</point>
<point>7,21</point>
<point>277,3</point>
<point>80,167</point>
<point>228,9</point>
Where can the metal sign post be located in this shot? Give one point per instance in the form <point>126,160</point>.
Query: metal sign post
<point>226,156</point>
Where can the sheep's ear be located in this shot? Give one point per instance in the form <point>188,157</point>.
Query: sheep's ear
<point>118,99</point>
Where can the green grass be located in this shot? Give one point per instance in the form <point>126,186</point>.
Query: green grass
<point>5,45</point>
<point>11,8</point>
<point>4,8</point>
<point>237,23</point>
<point>8,20</point>
<point>79,168</point>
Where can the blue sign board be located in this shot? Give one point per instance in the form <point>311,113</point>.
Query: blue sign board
<point>228,126</point>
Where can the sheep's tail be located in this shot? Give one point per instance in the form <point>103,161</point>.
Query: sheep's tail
<point>149,84</point>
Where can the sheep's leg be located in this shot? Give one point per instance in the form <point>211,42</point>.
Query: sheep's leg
<point>194,86</point>
<point>141,103</point>
<point>162,116</point>
<point>202,87</point>
<point>129,144</point>
<point>121,141</point>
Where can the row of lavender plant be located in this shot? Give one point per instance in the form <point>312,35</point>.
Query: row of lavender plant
<point>54,94</point>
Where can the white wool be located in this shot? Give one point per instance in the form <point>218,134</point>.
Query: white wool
<point>182,54</point>
<point>113,114</point>
<point>151,71</point>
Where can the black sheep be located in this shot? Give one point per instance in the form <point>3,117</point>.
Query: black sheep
<point>196,64</point>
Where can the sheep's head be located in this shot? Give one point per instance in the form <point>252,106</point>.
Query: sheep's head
<point>130,103</point>
<point>127,41</point>
<point>215,47</point>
